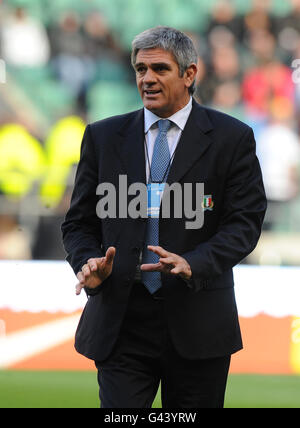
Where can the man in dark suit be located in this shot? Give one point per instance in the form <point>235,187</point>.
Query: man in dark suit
<point>161,304</point>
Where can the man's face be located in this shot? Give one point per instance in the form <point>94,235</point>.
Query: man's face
<point>162,89</point>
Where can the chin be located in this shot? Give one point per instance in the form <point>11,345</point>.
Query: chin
<point>153,106</point>
<point>149,104</point>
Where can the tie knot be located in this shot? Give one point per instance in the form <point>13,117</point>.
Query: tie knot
<point>164,125</point>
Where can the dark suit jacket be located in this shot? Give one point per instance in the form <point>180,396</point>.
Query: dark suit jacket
<point>215,149</point>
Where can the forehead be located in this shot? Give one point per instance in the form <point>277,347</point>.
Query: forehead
<point>156,55</point>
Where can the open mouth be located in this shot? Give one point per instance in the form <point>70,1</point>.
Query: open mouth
<point>151,92</point>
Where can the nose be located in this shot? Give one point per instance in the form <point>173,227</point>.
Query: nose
<point>149,77</point>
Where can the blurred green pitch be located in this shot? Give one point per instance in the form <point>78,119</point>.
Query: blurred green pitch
<point>67,389</point>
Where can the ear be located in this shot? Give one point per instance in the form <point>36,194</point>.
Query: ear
<point>190,75</point>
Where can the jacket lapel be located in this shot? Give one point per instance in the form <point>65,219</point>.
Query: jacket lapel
<point>193,143</point>
<point>133,148</point>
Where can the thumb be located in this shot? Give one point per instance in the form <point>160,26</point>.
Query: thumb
<point>110,254</point>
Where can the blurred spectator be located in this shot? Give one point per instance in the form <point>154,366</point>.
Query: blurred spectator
<point>224,16</point>
<point>73,67</point>
<point>22,160</point>
<point>66,36</point>
<point>110,63</point>
<point>278,149</point>
<point>261,48</point>
<point>220,37</point>
<point>14,240</point>
<point>224,67</point>
<point>259,17</point>
<point>225,64</point>
<point>268,79</point>
<point>24,40</point>
<point>99,39</point>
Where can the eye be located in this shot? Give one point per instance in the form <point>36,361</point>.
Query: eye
<point>140,70</point>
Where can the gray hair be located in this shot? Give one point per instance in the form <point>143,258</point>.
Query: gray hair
<point>171,40</point>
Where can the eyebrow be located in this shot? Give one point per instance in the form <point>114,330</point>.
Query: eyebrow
<point>154,64</point>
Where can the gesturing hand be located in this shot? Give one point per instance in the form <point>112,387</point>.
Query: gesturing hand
<point>96,271</point>
<point>169,263</point>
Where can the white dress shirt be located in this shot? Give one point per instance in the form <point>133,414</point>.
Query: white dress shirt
<point>178,119</point>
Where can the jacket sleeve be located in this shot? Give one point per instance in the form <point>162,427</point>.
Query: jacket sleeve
<point>81,229</point>
<point>244,206</point>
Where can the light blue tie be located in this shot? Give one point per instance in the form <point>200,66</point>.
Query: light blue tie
<point>159,172</point>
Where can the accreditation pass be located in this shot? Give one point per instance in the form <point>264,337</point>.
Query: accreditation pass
<point>155,193</point>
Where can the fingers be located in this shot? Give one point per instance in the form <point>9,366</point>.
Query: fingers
<point>95,271</point>
<point>157,267</point>
<point>86,270</point>
<point>169,263</point>
<point>151,267</point>
<point>161,252</point>
<point>79,287</point>
<point>93,264</point>
<point>165,259</point>
<point>110,255</point>
<point>98,263</point>
<point>80,277</point>
<point>176,270</point>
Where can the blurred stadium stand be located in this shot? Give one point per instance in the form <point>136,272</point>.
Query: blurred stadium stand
<point>68,63</point>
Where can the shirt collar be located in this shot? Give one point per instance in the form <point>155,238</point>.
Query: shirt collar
<point>179,118</point>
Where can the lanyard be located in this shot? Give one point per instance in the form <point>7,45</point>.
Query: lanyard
<point>167,170</point>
